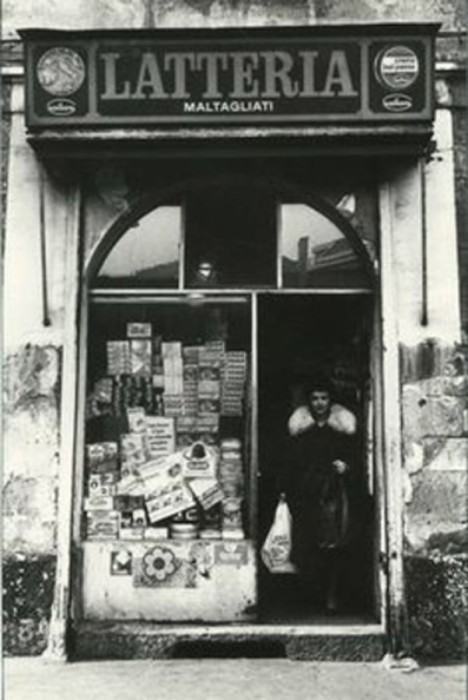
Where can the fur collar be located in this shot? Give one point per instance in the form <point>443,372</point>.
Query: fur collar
<point>340,419</point>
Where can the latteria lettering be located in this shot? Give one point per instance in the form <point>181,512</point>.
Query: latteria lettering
<point>236,75</point>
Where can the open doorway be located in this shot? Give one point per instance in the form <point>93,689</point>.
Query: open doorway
<point>301,337</point>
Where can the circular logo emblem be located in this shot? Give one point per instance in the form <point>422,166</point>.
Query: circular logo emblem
<point>397,67</point>
<point>61,71</point>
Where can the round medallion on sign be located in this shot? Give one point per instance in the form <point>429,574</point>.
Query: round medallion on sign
<point>397,67</point>
<point>61,71</point>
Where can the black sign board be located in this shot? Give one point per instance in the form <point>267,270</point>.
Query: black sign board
<point>355,75</point>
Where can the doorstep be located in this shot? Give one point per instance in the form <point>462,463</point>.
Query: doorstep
<point>143,640</point>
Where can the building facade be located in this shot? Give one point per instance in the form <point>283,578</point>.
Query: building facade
<point>206,206</point>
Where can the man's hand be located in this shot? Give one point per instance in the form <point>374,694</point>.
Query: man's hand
<point>340,466</point>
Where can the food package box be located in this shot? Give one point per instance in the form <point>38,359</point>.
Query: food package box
<point>139,330</point>
<point>209,406</point>
<point>191,515</point>
<point>230,469</point>
<point>208,389</point>
<point>191,353</point>
<point>139,518</point>
<point>231,513</point>
<point>118,357</point>
<point>136,418</point>
<point>102,457</point>
<point>209,355</point>
<point>125,521</point>
<point>133,448</point>
<point>206,491</point>
<point>168,501</point>
<point>173,375</point>
<point>99,503</point>
<point>208,423</point>
<point>172,349</point>
<point>208,429</point>
<point>160,436</point>
<point>174,405</point>
<point>210,534</point>
<point>209,370</point>
<point>233,533</point>
<point>190,372</point>
<point>132,533</point>
<point>190,389</point>
<point>232,409</point>
<point>132,485</point>
<point>141,356</point>
<point>101,490</point>
<point>102,524</point>
<point>125,502</point>
<point>200,460</point>
<point>218,346</point>
<point>158,378</point>
<point>95,484</point>
<point>166,492</point>
<point>156,533</point>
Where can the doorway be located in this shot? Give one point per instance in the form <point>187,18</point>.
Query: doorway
<point>302,337</point>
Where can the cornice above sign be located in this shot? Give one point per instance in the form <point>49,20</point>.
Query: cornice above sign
<point>352,75</point>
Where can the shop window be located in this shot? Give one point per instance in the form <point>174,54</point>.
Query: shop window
<point>316,253</point>
<point>148,254</point>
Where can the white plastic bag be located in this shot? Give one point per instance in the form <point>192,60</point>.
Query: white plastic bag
<point>276,550</point>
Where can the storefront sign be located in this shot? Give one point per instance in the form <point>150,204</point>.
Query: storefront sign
<point>229,76</point>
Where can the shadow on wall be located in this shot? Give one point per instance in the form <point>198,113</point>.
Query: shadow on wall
<point>436,588</point>
<point>28,586</point>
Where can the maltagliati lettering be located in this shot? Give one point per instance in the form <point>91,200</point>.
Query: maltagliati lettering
<point>233,107</point>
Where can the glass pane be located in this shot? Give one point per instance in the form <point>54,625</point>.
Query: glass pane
<point>230,238</point>
<point>315,253</point>
<point>147,255</point>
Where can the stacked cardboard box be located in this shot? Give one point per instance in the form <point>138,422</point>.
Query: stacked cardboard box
<point>103,473</point>
<point>118,357</point>
<point>234,378</point>
<point>231,479</point>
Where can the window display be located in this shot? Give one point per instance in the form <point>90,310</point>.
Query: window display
<point>177,413</point>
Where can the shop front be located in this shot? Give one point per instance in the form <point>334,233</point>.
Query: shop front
<point>231,252</point>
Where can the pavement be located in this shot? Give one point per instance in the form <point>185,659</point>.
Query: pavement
<point>33,678</point>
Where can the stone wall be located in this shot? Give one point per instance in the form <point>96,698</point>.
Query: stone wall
<point>435,446</point>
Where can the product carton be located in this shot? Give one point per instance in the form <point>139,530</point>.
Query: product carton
<point>200,460</point>
<point>136,418</point>
<point>206,491</point>
<point>165,489</point>
<point>133,446</point>
<point>100,503</point>
<point>102,457</point>
<point>139,330</point>
<point>141,357</point>
<point>231,514</point>
<point>102,525</point>
<point>118,357</point>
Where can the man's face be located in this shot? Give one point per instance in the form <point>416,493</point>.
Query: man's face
<point>320,403</point>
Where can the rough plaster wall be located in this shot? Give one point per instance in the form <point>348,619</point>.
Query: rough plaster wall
<point>32,351</point>
<point>433,363</point>
<point>451,13</point>
<point>152,13</point>
<point>434,384</point>
<point>177,13</point>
